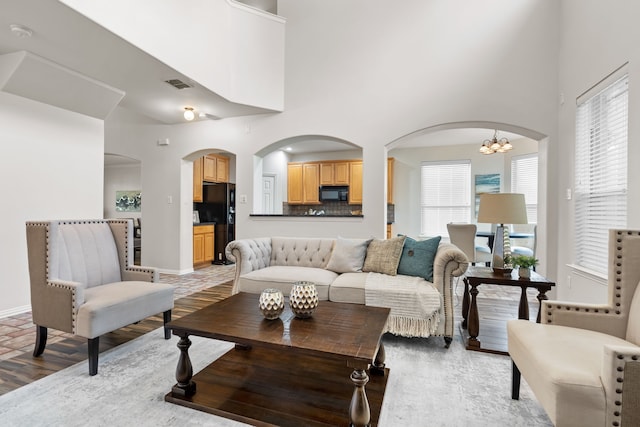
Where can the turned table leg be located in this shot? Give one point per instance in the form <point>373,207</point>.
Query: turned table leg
<point>184,371</point>
<point>542,295</point>
<point>465,303</point>
<point>378,363</point>
<point>474,320</point>
<point>359,411</point>
<point>523,309</point>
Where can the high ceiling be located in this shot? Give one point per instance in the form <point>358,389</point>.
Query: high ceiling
<point>67,38</point>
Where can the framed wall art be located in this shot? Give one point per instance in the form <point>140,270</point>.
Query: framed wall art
<point>487,183</point>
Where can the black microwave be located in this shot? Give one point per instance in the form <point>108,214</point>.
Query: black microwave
<point>333,193</point>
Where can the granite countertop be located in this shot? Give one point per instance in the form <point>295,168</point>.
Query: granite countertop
<point>195,224</point>
<point>307,216</point>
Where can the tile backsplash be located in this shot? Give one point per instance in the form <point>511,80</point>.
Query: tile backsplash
<point>329,208</point>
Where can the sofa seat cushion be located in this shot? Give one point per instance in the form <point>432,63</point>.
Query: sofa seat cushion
<point>283,278</point>
<point>115,305</point>
<point>563,366</point>
<point>349,287</point>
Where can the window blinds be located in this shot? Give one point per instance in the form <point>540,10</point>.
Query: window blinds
<point>600,172</point>
<point>445,195</point>
<point>524,179</point>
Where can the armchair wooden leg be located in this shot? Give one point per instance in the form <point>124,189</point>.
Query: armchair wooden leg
<point>167,318</point>
<point>94,348</point>
<point>41,340</point>
<point>515,381</point>
<point>447,341</point>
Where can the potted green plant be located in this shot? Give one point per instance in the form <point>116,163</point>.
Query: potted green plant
<point>525,263</point>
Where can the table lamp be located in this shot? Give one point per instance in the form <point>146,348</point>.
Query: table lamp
<point>501,209</point>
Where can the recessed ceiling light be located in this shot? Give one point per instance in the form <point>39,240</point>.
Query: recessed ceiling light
<point>21,31</point>
<point>288,148</point>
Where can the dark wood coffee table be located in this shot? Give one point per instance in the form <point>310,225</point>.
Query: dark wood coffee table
<point>288,371</point>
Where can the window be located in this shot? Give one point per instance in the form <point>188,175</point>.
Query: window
<point>524,179</point>
<point>600,171</point>
<point>445,195</point>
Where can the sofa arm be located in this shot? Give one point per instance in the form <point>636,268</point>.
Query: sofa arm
<point>249,255</point>
<point>141,274</point>
<point>449,262</point>
<point>621,380</point>
<point>594,317</point>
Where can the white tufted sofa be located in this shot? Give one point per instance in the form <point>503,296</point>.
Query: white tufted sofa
<point>278,262</point>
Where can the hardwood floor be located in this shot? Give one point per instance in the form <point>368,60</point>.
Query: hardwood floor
<point>25,368</point>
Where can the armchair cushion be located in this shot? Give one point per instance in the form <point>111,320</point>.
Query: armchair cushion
<point>563,366</point>
<point>84,253</point>
<point>109,307</point>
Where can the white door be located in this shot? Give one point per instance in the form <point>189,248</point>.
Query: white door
<point>268,194</point>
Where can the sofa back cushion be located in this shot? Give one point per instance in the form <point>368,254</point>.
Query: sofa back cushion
<point>633,325</point>
<point>348,255</point>
<point>84,252</point>
<point>301,252</point>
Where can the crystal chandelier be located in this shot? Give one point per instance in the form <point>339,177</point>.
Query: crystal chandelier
<point>495,145</point>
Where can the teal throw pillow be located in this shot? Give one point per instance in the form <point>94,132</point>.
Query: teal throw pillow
<point>417,257</point>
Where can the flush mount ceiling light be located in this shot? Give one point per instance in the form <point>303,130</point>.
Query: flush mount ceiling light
<point>189,114</point>
<point>495,145</point>
<point>21,31</point>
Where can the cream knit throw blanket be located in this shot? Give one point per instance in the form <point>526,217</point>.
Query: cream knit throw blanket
<point>414,303</point>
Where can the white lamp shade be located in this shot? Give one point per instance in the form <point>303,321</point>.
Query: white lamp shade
<point>502,208</point>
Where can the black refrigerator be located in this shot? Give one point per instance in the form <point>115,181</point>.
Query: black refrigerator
<point>220,199</point>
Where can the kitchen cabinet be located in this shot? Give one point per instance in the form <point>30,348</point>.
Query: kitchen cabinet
<point>334,173</point>
<point>355,183</point>
<point>203,244</point>
<point>197,180</point>
<point>303,181</point>
<point>294,183</point>
<point>215,168</point>
<point>311,183</point>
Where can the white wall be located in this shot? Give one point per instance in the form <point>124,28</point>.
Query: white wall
<point>51,167</point>
<point>120,178</point>
<point>367,73</point>
<point>597,38</point>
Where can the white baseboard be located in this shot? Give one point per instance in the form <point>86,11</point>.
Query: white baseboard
<point>14,311</point>
<point>175,272</point>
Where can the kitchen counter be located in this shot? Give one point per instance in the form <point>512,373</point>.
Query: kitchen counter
<point>196,224</point>
<point>305,216</point>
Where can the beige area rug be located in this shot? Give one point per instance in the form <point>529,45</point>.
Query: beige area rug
<point>428,386</point>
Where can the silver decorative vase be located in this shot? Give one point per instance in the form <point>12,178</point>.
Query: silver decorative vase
<point>271,303</point>
<point>303,299</point>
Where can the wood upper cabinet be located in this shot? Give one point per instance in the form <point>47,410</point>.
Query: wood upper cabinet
<point>294,183</point>
<point>215,168</point>
<point>334,173</point>
<point>355,183</point>
<point>390,161</point>
<point>311,183</point>
<point>303,181</point>
<point>197,180</point>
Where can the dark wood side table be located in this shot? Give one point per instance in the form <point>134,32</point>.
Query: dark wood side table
<point>475,276</point>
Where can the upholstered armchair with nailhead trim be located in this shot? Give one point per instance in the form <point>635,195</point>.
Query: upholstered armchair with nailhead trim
<point>583,360</point>
<point>83,281</point>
